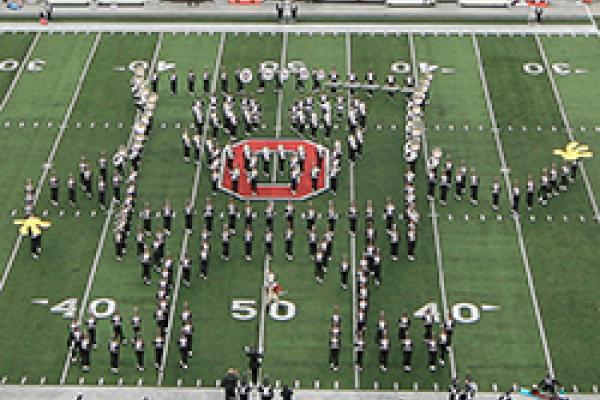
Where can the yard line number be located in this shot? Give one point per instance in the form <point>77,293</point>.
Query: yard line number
<point>463,313</point>
<point>559,68</point>
<point>101,308</point>
<point>10,65</point>
<point>245,310</point>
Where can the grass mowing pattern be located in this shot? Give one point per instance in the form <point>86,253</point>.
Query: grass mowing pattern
<point>481,260</point>
<point>220,339</point>
<point>551,249</point>
<point>298,349</point>
<point>379,175</point>
<point>14,48</point>
<point>64,270</point>
<point>27,148</point>
<point>503,346</point>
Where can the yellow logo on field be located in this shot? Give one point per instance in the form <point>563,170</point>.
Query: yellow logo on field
<point>574,151</point>
<point>32,224</point>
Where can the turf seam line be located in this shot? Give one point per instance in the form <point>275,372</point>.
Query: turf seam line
<point>351,236</point>
<point>17,76</point>
<point>425,28</point>
<point>565,118</point>
<point>520,239</point>
<point>46,168</point>
<point>184,243</point>
<point>434,217</point>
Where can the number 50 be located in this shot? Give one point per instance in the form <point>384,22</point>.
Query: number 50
<point>245,310</point>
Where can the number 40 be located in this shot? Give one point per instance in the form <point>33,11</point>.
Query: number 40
<point>464,313</point>
<point>101,308</point>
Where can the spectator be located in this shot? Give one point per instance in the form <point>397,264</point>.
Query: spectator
<point>229,382</point>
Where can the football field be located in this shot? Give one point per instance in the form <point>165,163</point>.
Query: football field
<point>524,291</point>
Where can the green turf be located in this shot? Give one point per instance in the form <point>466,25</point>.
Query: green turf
<point>222,338</point>
<point>547,245</point>
<point>28,147</point>
<point>482,261</point>
<point>503,346</point>
<point>13,48</point>
<point>68,266</point>
<point>298,349</point>
<point>379,175</point>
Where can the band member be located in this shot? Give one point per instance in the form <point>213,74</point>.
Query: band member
<point>530,192</point>
<point>289,243</point>
<point>191,82</point>
<point>384,352</point>
<point>159,346</point>
<point>516,197</point>
<point>173,83</point>
<point>334,352</point>
<point>359,349</point>
<point>187,145</point>
<point>248,238</point>
<point>138,348</point>
<point>72,190</point>
<point>407,349</point>
<point>85,348</point>
<point>496,189</point>
<point>136,322</point>
<point>91,330</point>
<point>344,269</point>
<point>352,218</point>
<point>432,350</point>
<point>225,237</point>
<point>474,185</point>
<point>186,270</point>
<point>114,347</point>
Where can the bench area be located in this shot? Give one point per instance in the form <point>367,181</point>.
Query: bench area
<point>410,3</point>
<point>100,3</point>
<point>485,3</point>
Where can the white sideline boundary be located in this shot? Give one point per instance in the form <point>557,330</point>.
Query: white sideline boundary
<point>48,164</point>
<point>185,241</point>
<point>565,118</point>
<point>100,247</point>
<point>434,217</point>
<point>389,29</point>
<point>352,237</point>
<point>520,239</point>
<point>22,66</point>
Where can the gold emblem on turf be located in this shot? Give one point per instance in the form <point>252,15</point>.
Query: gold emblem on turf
<point>32,224</point>
<point>574,151</point>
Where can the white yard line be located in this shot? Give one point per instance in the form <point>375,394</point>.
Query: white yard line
<point>267,262</point>
<point>84,27</point>
<point>184,243</point>
<point>99,249</point>
<point>521,241</point>
<point>88,286</point>
<point>48,164</point>
<point>278,116</point>
<point>22,66</point>
<point>434,218</point>
<point>565,118</point>
<point>352,237</point>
